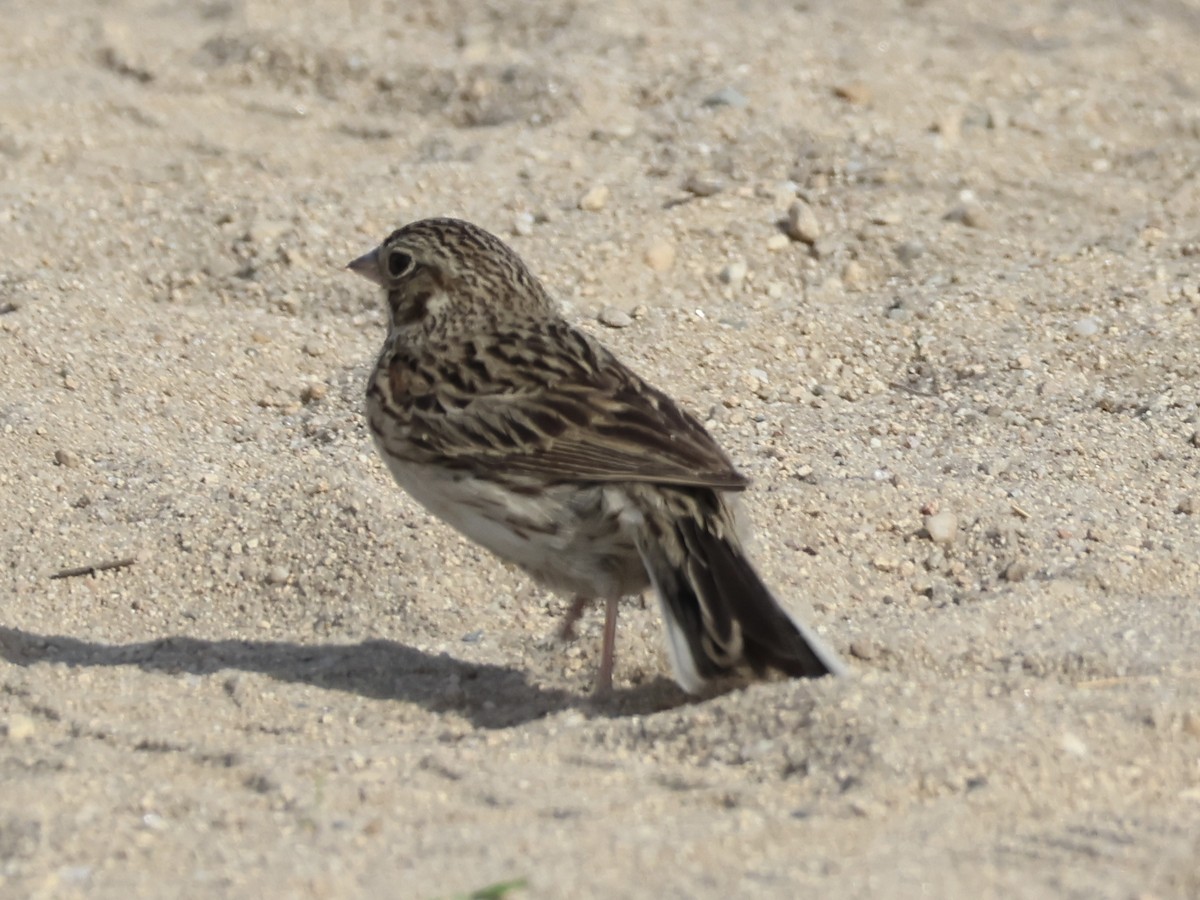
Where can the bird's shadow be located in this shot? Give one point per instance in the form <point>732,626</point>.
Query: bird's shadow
<point>488,696</point>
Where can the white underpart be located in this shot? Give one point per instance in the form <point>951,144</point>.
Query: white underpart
<point>461,500</point>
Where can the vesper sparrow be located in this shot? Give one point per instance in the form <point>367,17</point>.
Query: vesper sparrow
<point>531,439</point>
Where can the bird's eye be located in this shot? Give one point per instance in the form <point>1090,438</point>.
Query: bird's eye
<point>398,263</point>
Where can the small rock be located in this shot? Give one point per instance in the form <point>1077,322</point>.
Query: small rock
<point>942,527</point>
<point>67,458</point>
<point>703,185</point>
<point>802,224</point>
<point>865,650</point>
<point>614,318</point>
<point>1187,505</point>
<point>970,213</point>
<point>1073,744</point>
<point>727,96</point>
<point>311,393</point>
<point>909,251</point>
<point>855,92</point>
<point>595,199</point>
<point>734,273</point>
<point>660,256</point>
<point>854,276</point>
<point>20,727</point>
<point>278,575</point>
<point>1086,327</point>
<point>885,562</point>
<point>1016,571</point>
<point>522,224</point>
<point>777,242</point>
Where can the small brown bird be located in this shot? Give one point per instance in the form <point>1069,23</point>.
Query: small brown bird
<point>531,439</point>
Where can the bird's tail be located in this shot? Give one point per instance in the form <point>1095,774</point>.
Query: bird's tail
<point>719,614</point>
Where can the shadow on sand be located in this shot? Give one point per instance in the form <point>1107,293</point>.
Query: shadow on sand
<point>488,696</point>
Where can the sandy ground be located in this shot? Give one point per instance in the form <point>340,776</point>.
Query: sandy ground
<point>302,686</point>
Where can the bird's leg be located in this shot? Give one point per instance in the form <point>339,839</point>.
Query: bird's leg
<point>604,676</point>
<point>567,632</point>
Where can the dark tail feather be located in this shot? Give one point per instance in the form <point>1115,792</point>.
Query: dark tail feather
<point>720,615</point>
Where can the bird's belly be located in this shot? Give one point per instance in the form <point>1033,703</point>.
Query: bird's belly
<point>569,537</point>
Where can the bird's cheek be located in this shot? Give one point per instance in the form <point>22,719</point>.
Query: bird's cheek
<point>408,309</point>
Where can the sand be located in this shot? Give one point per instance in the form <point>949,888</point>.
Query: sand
<point>963,374</point>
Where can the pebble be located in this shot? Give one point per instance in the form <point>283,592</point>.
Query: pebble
<point>1086,327</point>
<point>802,224</point>
<point>1073,744</point>
<point>734,273</point>
<point>854,276</point>
<point>727,96</point>
<point>864,650</point>
<point>854,92</point>
<point>67,458</point>
<point>660,256</point>
<point>970,213</point>
<point>908,251</point>
<point>522,224</point>
<point>886,562</point>
<point>777,242</point>
<point>614,318</point>
<point>19,727</point>
<point>703,185</point>
<point>1016,571</point>
<point>278,575</point>
<point>311,393</point>
<point>595,199</point>
<point>1187,505</point>
<point>942,527</point>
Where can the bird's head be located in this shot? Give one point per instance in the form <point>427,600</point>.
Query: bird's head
<point>448,271</point>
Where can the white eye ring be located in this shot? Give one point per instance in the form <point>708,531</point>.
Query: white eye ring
<point>398,263</point>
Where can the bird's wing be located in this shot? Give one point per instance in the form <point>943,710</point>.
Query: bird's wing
<point>554,406</point>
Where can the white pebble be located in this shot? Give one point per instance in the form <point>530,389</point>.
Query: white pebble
<point>942,527</point>
<point>1086,327</point>
<point>595,199</point>
<point>660,256</point>
<point>522,224</point>
<point>19,727</point>
<point>802,224</point>
<point>614,318</point>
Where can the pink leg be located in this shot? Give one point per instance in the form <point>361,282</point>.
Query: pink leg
<point>604,677</point>
<point>567,632</point>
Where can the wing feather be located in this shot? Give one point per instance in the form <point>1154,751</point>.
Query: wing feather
<point>585,417</point>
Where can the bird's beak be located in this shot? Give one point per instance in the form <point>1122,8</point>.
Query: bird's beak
<point>367,266</point>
